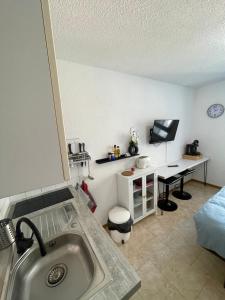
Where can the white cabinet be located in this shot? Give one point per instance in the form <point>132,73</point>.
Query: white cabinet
<point>138,193</point>
<point>33,150</point>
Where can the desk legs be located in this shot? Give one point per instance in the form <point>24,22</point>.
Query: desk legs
<point>181,194</point>
<point>205,171</point>
<point>167,204</point>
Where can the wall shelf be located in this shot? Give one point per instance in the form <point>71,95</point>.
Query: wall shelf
<point>106,160</point>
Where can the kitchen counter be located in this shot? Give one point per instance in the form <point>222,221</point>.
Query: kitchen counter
<point>4,264</point>
<point>124,280</point>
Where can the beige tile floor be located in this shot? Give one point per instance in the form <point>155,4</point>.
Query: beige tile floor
<point>163,250</point>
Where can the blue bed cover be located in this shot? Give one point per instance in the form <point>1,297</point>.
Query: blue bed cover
<point>210,223</point>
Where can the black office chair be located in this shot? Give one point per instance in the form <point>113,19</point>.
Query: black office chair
<point>181,194</point>
<point>164,203</point>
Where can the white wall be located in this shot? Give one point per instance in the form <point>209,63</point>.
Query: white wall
<point>100,106</point>
<point>211,132</point>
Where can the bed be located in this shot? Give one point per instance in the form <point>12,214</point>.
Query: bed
<point>210,224</point>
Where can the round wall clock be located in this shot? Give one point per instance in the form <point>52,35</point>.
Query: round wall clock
<point>215,111</point>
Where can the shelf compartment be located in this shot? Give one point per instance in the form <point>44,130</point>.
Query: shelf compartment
<point>149,196</point>
<point>137,189</point>
<point>137,185</point>
<point>138,201</point>
<point>138,212</point>
<point>149,205</point>
<point>150,184</point>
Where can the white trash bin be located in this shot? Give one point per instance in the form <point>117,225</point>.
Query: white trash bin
<point>120,224</point>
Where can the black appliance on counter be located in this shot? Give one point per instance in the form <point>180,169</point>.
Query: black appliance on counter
<point>191,149</point>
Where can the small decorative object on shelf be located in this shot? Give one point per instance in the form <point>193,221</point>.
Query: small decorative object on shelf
<point>115,151</point>
<point>113,157</point>
<point>110,155</point>
<point>118,151</point>
<point>133,144</point>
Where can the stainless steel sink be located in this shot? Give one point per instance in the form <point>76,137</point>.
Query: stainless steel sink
<point>66,272</point>
<point>72,269</point>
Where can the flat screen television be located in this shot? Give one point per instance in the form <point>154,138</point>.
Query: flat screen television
<point>163,131</point>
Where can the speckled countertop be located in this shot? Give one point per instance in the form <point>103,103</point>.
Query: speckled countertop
<point>4,262</point>
<point>125,282</point>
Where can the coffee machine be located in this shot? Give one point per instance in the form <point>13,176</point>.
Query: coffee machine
<point>191,149</point>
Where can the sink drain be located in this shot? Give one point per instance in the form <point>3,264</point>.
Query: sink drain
<point>56,275</point>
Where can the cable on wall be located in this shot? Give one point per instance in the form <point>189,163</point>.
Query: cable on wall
<point>166,153</point>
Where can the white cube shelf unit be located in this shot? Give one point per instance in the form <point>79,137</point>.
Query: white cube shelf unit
<point>138,193</point>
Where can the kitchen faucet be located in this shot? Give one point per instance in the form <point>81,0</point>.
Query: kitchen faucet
<point>23,243</point>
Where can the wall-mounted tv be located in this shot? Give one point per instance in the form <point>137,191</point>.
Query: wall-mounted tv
<point>163,131</point>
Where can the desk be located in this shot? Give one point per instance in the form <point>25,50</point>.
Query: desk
<point>167,174</point>
<point>183,164</point>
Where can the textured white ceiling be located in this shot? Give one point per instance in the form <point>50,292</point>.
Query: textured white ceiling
<point>178,41</point>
